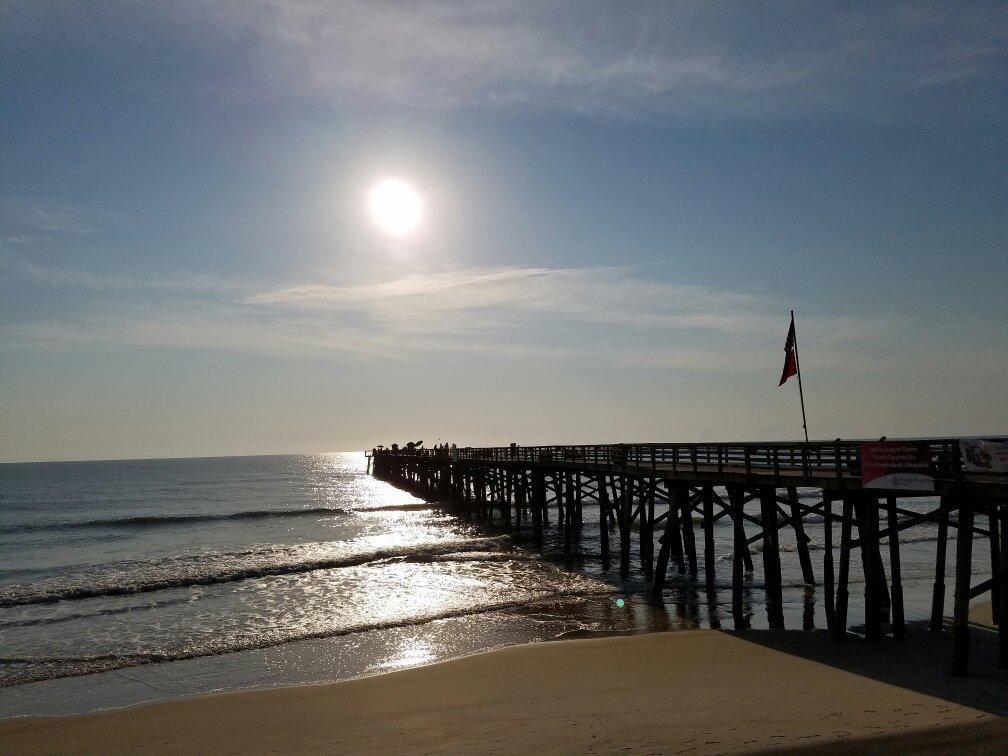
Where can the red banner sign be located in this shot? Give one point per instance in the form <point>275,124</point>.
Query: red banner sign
<point>896,465</point>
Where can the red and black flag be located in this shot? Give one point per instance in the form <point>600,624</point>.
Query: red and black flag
<point>793,367</point>
<point>790,359</point>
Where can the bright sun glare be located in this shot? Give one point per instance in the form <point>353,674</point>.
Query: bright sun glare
<point>395,207</point>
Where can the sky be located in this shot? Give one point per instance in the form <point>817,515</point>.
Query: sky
<point>619,205</point>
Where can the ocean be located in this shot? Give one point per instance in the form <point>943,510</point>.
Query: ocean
<point>138,580</point>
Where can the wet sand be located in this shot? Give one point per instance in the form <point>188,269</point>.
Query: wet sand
<point>704,691</point>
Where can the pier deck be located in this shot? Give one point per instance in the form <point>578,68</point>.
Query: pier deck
<point>654,488</point>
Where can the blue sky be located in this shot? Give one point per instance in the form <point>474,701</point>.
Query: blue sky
<point>620,206</point>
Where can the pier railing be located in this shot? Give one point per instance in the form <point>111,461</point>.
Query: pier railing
<point>837,459</point>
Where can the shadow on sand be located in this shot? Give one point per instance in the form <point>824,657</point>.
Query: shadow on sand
<point>920,663</point>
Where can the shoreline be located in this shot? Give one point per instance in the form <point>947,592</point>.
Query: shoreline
<point>708,690</point>
<point>309,663</point>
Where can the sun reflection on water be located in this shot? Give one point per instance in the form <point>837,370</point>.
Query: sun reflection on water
<point>412,652</point>
<point>337,480</point>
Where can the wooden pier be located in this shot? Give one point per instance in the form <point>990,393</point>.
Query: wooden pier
<point>659,488</point>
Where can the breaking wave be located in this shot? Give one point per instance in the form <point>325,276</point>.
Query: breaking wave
<point>154,521</point>
<point>127,578</point>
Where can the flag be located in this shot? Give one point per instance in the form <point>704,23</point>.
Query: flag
<point>790,361</point>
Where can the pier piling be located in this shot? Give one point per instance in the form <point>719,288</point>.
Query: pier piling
<point>938,593</point>
<point>898,621</point>
<point>964,568</point>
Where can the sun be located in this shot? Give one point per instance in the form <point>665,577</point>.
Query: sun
<point>395,207</point>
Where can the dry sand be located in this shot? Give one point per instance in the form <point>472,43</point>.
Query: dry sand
<point>697,691</point>
<point>982,613</point>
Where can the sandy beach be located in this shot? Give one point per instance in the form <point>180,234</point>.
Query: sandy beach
<point>697,691</point>
<point>982,613</point>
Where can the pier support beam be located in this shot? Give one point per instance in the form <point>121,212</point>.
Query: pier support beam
<point>829,595</point>
<point>482,507</point>
<point>938,593</point>
<point>771,558</point>
<point>647,526</point>
<point>993,526</point>
<point>678,492</point>
<point>710,575</point>
<point>625,512</point>
<point>444,484</point>
<point>840,616</point>
<point>678,496</point>
<point>558,495</point>
<point>964,564</point>
<point>688,537</point>
<point>1002,617</point>
<point>579,512</point>
<point>509,494</point>
<point>538,501</point>
<point>736,497</point>
<point>661,569</point>
<point>866,509</point>
<point>801,540</point>
<point>604,506</point>
<point>568,520</point>
<point>898,621</point>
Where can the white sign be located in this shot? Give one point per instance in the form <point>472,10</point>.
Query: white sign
<point>984,455</point>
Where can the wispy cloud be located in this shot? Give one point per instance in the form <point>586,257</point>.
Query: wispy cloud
<point>71,277</point>
<point>651,61</point>
<point>27,219</point>
<point>214,330</point>
<point>679,58</point>
<point>607,316</point>
<point>509,294</point>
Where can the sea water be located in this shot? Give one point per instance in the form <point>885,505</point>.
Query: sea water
<point>128,581</point>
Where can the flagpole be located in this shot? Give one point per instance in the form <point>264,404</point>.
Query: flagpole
<point>801,394</point>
